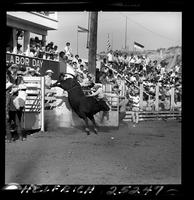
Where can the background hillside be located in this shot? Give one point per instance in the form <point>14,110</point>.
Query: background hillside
<point>162,54</point>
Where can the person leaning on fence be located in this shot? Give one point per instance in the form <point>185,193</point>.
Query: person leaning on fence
<point>15,107</point>
<point>135,107</point>
<point>99,94</point>
<point>122,107</point>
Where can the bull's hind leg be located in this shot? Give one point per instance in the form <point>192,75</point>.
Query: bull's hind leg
<point>94,123</point>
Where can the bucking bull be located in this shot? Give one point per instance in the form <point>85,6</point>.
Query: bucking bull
<point>85,107</point>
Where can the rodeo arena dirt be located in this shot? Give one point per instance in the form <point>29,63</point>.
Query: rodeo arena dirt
<point>49,140</point>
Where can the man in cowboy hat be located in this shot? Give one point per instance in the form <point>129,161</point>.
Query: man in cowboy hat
<point>13,113</point>
<point>99,94</point>
<point>31,72</point>
<point>48,78</point>
<point>9,86</point>
<point>135,106</point>
<point>12,73</point>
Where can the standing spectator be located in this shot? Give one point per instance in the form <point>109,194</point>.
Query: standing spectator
<point>103,78</point>
<point>166,103</point>
<point>55,52</point>
<point>19,51</point>
<point>47,51</point>
<point>31,72</point>
<point>126,61</point>
<point>80,69</point>
<point>91,78</point>
<point>110,57</point>
<point>76,57</point>
<point>122,107</point>
<point>103,64</point>
<point>75,66</point>
<point>80,62</point>
<point>15,108</point>
<point>8,49</point>
<point>37,53</point>
<point>43,52</point>
<point>118,80</point>
<point>79,77</point>
<point>97,75</point>
<point>110,76</point>
<point>32,52</point>
<point>67,50</point>
<point>63,57</point>
<point>8,90</point>
<point>48,78</point>
<point>132,60</point>
<point>135,107</point>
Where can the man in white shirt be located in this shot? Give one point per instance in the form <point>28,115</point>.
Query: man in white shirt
<point>76,58</point>
<point>67,50</point>
<point>135,107</point>
<point>110,56</point>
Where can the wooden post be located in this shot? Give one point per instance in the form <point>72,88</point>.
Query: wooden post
<point>27,43</point>
<point>42,103</point>
<point>88,33</point>
<point>93,24</point>
<point>44,40</point>
<point>141,96</point>
<point>157,98</point>
<point>14,41</point>
<point>172,99</point>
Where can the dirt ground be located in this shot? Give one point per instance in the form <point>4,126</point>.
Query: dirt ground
<point>147,154</point>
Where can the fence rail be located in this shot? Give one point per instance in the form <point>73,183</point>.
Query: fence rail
<point>40,99</point>
<point>153,115</point>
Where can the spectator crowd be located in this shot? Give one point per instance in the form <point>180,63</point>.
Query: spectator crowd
<point>38,49</point>
<point>140,69</point>
<point>117,68</point>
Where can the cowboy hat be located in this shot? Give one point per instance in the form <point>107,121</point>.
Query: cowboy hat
<point>97,85</point>
<point>8,85</point>
<point>31,70</point>
<point>49,71</point>
<point>20,73</point>
<point>13,66</point>
<point>22,87</point>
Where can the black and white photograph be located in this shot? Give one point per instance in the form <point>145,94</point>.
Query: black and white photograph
<point>93,97</point>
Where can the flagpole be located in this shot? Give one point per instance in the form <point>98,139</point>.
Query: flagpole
<point>126,34</point>
<point>77,42</point>
<point>88,34</point>
<point>108,47</point>
<point>112,42</point>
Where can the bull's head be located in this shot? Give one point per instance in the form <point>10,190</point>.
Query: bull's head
<point>66,82</point>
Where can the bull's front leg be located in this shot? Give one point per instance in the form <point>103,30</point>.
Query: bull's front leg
<point>87,127</point>
<point>94,123</point>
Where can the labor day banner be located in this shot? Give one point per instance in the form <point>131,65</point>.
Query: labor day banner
<point>41,65</point>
